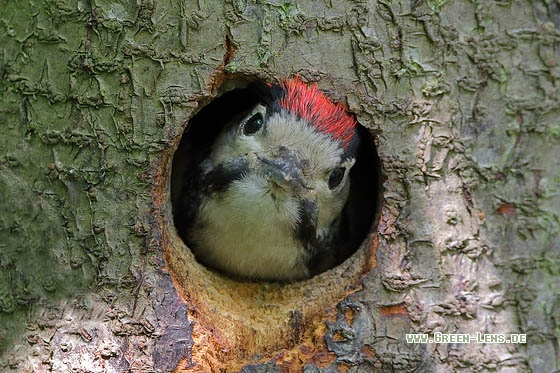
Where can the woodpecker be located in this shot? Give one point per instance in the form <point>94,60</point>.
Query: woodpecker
<point>266,197</point>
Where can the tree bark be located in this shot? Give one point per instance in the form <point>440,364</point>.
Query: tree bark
<point>462,98</point>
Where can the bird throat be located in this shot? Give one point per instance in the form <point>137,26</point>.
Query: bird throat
<point>249,233</point>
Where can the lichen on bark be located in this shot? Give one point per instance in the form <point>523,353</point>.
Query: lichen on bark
<point>462,96</point>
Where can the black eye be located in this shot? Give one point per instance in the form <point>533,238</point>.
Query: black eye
<point>336,177</point>
<point>253,124</point>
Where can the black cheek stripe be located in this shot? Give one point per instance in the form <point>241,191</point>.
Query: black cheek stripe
<point>306,230</point>
<point>221,177</point>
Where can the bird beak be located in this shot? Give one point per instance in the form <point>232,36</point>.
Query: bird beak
<point>284,168</point>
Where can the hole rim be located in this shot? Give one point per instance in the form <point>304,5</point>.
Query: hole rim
<point>259,324</point>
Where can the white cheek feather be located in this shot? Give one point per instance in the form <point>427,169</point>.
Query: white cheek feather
<point>232,143</point>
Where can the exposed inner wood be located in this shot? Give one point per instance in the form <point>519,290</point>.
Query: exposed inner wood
<point>243,322</point>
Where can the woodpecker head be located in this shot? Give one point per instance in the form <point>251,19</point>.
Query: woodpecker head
<point>273,185</point>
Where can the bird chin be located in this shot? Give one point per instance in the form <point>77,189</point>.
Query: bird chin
<point>277,187</point>
<point>278,192</point>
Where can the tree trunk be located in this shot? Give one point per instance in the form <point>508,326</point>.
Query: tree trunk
<point>461,96</point>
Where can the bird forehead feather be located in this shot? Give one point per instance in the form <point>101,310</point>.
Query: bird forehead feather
<point>286,129</point>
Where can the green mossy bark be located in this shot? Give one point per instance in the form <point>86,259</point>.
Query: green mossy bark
<point>463,95</point>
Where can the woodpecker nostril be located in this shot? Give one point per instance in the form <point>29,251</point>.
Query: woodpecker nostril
<point>252,157</point>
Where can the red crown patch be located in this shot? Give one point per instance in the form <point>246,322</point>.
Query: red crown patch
<point>309,103</point>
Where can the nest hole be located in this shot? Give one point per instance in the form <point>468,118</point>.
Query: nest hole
<point>239,320</point>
